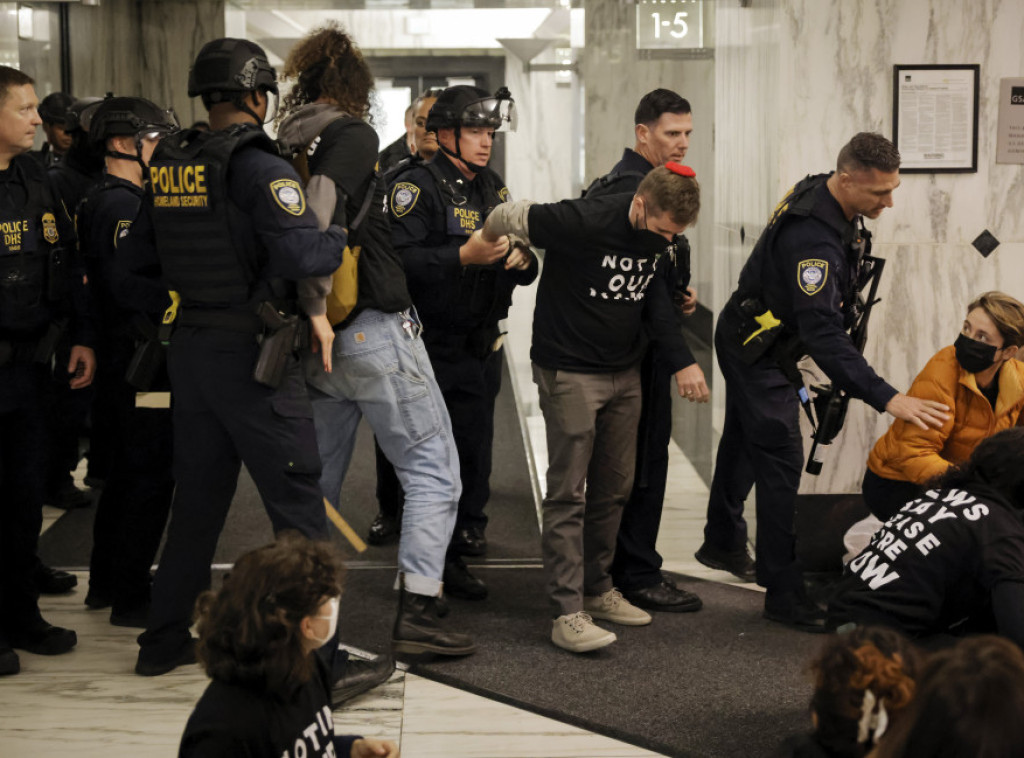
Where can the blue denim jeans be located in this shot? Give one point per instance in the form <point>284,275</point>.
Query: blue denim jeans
<point>381,371</point>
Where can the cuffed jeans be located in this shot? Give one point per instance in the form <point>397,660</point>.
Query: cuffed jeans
<point>591,422</point>
<point>381,371</point>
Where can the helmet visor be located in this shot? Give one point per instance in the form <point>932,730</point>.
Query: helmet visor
<point>493,112</point>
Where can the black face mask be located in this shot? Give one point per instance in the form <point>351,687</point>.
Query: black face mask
<point>974,356</point>
<point>648,242</point>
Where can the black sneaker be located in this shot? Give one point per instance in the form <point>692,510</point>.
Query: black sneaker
<point>151,667</point>
<point>738,563</point>
<point>459,582</point>
<point>795,611</point>
<point>361,676</point>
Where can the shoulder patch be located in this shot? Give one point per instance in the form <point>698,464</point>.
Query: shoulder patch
<point>811,275</point>
<point>50,228</point>
<point>403,197</point>
<point>121,230</point>
<point>288,194</point>
<point>504,194</point>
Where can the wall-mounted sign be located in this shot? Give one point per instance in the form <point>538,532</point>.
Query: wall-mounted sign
<point>935,118</point>
<point>1010,134</point>
<point>670,24</point>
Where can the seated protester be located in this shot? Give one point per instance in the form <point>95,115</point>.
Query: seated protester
<point>863,681</point>
<point>270,695</point>
<point>969,702</point>
<point>952,560</point>
<point>980,380</point>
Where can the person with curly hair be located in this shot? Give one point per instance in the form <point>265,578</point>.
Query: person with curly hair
<point>863,682</point>
<point>270,694</point>
<point>372,362</point>
<point>969,702</point>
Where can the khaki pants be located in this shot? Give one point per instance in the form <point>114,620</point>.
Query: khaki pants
<point>591,422</point>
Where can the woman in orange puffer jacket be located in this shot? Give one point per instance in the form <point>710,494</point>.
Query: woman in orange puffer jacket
<point>981,381</point>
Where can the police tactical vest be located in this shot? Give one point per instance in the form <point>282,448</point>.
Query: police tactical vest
<point>192,214</point>
<point>32,265</point>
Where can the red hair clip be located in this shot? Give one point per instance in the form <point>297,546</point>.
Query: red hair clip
<point>678,168</point>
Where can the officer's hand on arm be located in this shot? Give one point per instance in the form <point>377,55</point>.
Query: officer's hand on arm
<point>372,748</point>
<point>691,384</point>
<point>689,301</point>
<point>478,251</point>
<point>82,366</point>
<point>920,413</point>
<point>321,338</point>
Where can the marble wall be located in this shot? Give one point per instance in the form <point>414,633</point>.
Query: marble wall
<point>794,80</point>
<point>142,48</point>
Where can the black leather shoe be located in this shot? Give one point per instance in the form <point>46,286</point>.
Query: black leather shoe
<point>418,629</point>
<point>469,541</point>
<point>361,676</point>
<point>96,600</point>
<point>44,639</point>
<point>738,563</point>
<point>664,597</point>
<point>795,611</point>
<point>458,582</point>
<point>151,667</point>
<point>51,581</point>
<point>131,617</point>
<point>384,530</point>
<point>10,664</point>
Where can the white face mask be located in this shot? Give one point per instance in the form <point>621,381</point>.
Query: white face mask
<point>335,603</point>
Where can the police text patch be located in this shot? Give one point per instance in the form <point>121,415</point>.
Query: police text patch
<point>811,275</point>
<point>403,198</point>
<point>121,230</point>
<point>288,194</point>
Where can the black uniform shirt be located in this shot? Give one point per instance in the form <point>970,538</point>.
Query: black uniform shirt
<point>428,229</point>
<point>803,282</point>
<point>594,287</point>
<point>119,252</point>
<point>934,564</point>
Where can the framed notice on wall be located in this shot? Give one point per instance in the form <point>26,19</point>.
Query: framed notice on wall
<point>935,118</point>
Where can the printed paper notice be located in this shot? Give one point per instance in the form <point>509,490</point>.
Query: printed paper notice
<point>936,118</point>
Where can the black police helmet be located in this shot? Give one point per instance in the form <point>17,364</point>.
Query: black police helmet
<point>80,113</point>
<point>464,105</point>
<point>53,109</point>
<point>128,117</point>
<point>230,65</point>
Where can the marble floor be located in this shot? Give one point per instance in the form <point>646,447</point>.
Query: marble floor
<point>90,704</point>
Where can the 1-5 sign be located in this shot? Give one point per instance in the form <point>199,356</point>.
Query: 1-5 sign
<point>669,25</point>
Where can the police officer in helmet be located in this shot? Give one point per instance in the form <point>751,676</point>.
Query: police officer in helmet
<point>462,287</point>
<point>118,250</point>
<point>233,234</point>
<point>53,110</point>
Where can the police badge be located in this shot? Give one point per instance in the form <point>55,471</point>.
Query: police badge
<point>403,198</point>
<point>811,275</point>
<point>50,228</point>
<point>288,194</point>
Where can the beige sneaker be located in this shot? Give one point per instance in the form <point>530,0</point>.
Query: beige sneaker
<point>577,633</point>
<point>612,606</point>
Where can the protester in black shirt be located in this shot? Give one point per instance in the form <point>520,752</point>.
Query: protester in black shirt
<point>270,695</point>
<point>593,305</point>
<point>949,562</point>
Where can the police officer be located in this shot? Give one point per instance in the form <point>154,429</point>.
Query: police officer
<point>40,295</point>
<point>118,250</point>
<point>462,287</point>
<point>802,273</point>
<point>663,123</point>
<point>53,110</point>
<point>233,233</point>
